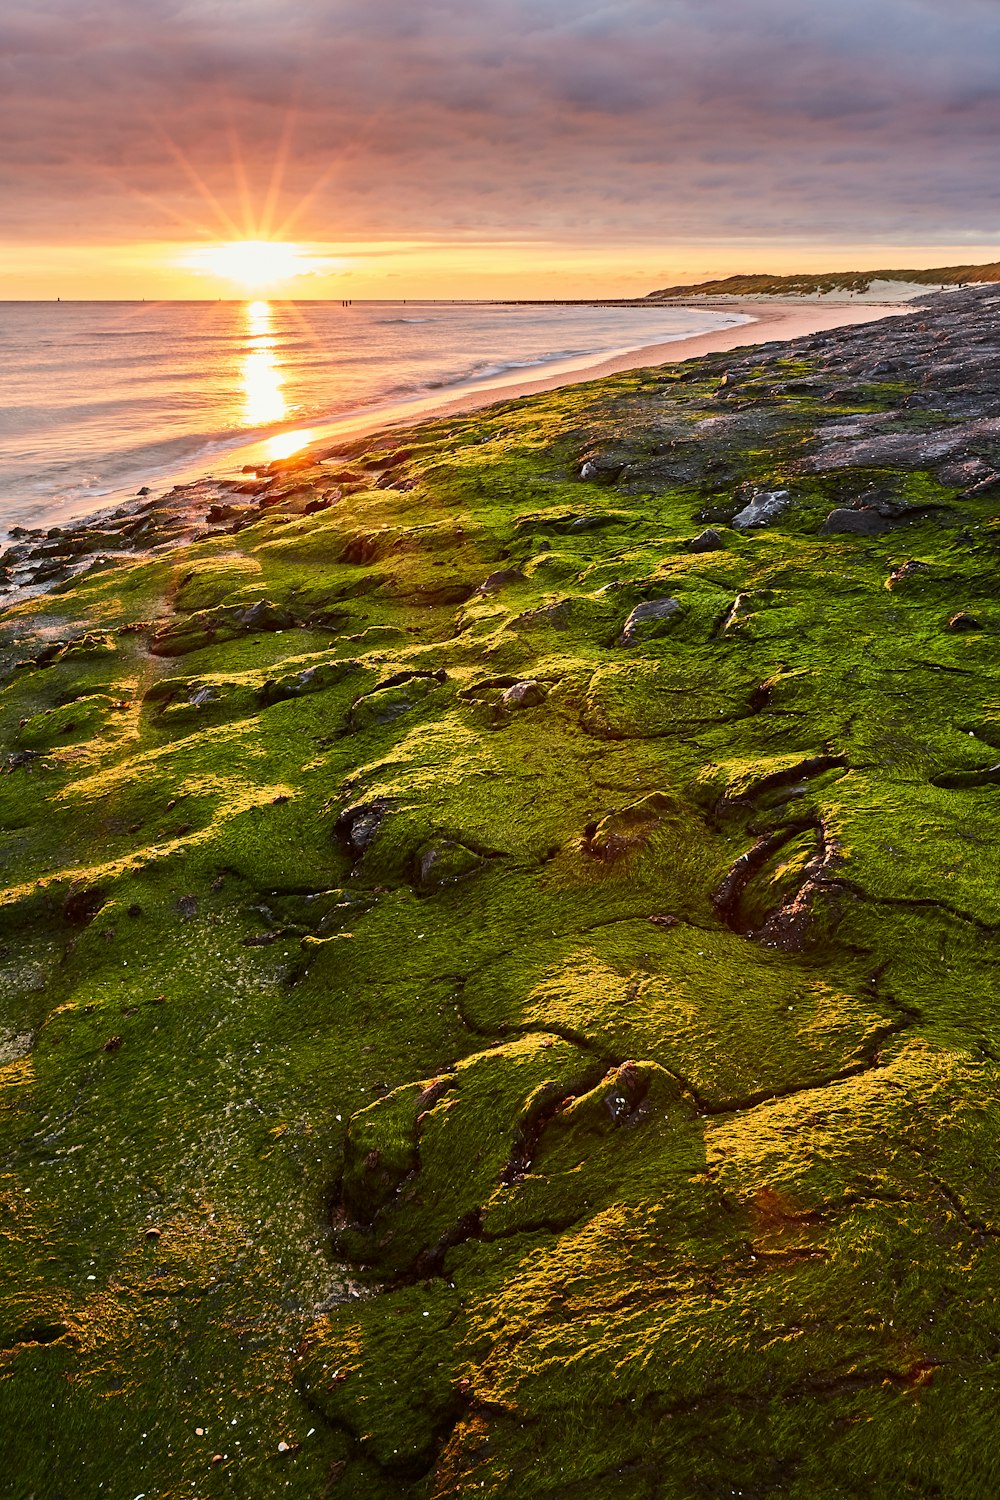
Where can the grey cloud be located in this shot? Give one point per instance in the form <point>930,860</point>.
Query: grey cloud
<point>720,116</point>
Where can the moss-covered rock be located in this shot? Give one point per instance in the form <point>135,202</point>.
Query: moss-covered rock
<point>470,1027</point>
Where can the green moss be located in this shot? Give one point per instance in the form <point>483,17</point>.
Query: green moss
<point>583,1092</point>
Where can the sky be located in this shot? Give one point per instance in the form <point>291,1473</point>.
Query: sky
<point>492,147</point>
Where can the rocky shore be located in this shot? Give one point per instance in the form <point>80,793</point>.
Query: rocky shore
<point>498,950</point>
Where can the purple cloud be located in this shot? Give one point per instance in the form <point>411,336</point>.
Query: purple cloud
<point>679,118</point>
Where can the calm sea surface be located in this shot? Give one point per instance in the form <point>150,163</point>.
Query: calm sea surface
<point>98,398</point>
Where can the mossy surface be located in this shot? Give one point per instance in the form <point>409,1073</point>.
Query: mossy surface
<point>452,1045</point>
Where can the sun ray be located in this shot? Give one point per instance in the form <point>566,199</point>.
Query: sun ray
<point>200,186</point>
<point>242,181</point>
<point>349,149</point>
<point>278,169</point>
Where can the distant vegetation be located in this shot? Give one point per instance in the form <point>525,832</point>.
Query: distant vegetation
<point>835,281</point>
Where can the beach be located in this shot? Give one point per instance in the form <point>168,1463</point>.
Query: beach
<point>102,401</point>
<point>762,323</point>
<point>163,515</point>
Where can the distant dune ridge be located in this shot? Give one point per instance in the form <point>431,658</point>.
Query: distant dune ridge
<point>831,283</point>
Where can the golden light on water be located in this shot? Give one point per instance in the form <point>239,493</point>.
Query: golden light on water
<point>264,400</point>
<point>284,444</point>
<point>263,386</point>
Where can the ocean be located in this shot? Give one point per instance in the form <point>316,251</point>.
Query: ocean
<point>100,398</point>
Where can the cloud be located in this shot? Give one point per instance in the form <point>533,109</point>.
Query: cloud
<point>648,118</point>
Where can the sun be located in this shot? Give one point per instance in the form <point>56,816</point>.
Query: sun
<point>253,264</point>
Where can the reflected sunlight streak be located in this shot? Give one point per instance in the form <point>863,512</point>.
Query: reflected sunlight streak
<point>263,385</point>
<point>284,444</point>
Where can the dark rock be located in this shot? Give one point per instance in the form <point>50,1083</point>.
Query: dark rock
<point>860,522</point>
<point>708,540</point>
<point>187,906</point>
<point>265,616</point>
<point>601,468</point>
<point>962,621</point>
<point>648,619</point>
<point>112,1044</point>
<point>82,906</point>
<point>17,758</point>
<point>764,507</point>
<point>357,826</point>
<point>500,579</point>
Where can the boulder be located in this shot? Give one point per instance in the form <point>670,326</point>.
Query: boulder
<point>500,579</point>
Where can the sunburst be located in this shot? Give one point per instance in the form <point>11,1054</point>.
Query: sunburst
<point>254,264</point>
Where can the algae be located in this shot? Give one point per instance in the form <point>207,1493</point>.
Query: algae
<point>447,1049</point>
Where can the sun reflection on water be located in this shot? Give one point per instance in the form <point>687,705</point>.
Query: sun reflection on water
<point>284,444</point>
<point>264,401</point>
<point>263,385</point>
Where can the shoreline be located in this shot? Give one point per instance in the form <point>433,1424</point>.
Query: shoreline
<point>775,324</point>
<point>172,513</point>
<point>778,321</point>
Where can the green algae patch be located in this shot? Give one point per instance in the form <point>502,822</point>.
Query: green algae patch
<point>495,1000</point>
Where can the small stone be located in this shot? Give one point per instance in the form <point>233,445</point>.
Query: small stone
<point>524,695</point>
<point>112,1044</point>
<point>708,540</point>
<point>860,522</point>
<point>648,619</point>
<point>500,579</point>
<point>217,1458</point>
<point>765,505</point>
<point>187,906</point>
<point>358,825</point>
<point>962,621</point>
<point>906,573</point>
<point>152,1233</point>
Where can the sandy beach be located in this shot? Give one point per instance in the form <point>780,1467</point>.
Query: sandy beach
<point>785,320</point>
<point>762,325</point>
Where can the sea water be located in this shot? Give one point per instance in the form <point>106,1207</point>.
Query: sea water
<point>100,398</point>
